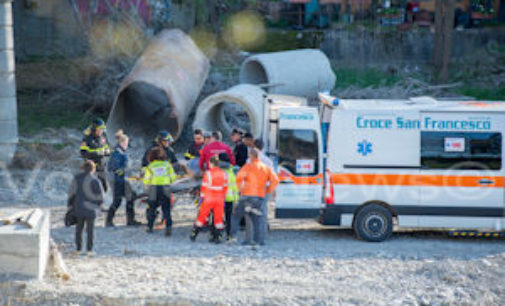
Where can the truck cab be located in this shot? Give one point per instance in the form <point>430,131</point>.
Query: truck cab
<point>294,142</point>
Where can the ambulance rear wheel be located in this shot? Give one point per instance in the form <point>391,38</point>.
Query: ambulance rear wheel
<point>373,223</point>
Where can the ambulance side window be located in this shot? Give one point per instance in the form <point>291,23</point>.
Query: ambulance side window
<point>461,150</point>
<point>299,151</point>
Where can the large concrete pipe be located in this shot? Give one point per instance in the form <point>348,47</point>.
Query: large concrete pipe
<point>162,87</point>
<point>8,109</point>
<point>211,113</point>
<point>302,72</point>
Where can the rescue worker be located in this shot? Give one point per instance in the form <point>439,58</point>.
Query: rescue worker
<point>215,147</point>
<point>94,147</point>
<point>164,139</point>
<point>213,193</point>
<point>254,180</point>
<point>159,175</point>
<point>232,194</point>
<point>248,140</point>
<point>206,139</point>
<point>192,155</point>
<point>260,145</point>
<point>117,166</point>
<point>240,149</point>
<point>196,146</point>
<point>263,222</point>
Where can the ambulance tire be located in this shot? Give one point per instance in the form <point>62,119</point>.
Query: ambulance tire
<point>373,223</point>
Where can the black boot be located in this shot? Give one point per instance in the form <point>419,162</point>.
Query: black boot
<point>110,216</point>
<point>130,215</point>
<point>168,231</point>
<point>194,233</point>
<point>212,235</point>
<point>218,235</point>
<point>132,222</point>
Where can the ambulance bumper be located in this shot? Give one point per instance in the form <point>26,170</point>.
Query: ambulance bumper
<point>332,214</point>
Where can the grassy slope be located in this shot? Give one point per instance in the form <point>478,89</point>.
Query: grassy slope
<point>364,78</point>
<point>34,114</point>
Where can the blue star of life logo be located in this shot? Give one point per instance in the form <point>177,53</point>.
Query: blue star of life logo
<point>364,148</point>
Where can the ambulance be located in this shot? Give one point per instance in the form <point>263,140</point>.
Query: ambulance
<point>376,165</point>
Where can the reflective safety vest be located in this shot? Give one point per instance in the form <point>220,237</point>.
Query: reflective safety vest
<point>214,184</point>
<point>232,194</point>
<point>159,173</point>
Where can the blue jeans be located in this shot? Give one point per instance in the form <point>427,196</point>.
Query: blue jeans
<point>252,220</point>
<point>263,220</point>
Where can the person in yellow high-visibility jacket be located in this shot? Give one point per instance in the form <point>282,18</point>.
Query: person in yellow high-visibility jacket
<point>159,175</point>
<point>232,194</point>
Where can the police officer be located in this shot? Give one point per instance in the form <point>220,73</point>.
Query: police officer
<point>117,165</point>
<point>159,175</point>
<point>94,147</point>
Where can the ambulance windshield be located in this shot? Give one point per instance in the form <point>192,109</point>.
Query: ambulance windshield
<point>299,151</point>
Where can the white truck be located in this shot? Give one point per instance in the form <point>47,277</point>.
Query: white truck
<point>374,164</point>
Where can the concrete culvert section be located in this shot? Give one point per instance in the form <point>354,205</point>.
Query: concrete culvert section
<point>299,72</point>
<point>162,87</point>
<point>241,105</point>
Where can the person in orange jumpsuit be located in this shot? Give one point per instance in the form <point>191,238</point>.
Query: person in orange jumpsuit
<point>213,193</point>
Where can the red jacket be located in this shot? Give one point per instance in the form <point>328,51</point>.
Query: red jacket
<point>214,148</point>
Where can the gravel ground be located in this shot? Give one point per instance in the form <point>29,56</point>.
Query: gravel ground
<point>302,263</point>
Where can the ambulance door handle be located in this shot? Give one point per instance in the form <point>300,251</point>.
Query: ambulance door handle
<point>286,182</point>
<point>486,182</point>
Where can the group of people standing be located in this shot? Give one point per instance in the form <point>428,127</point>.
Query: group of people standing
<point>235,183</point>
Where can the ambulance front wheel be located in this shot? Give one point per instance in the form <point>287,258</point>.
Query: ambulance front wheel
<point>373,223</point>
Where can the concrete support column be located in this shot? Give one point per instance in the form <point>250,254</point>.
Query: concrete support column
<point>8,105</point>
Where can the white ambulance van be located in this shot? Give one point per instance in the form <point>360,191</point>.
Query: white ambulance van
<point>374,164</point>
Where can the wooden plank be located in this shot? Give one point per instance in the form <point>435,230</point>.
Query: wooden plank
<point>20,216</point>
<point>34,218</point>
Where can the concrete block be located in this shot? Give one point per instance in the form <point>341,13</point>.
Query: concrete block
<point>24,251</point>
